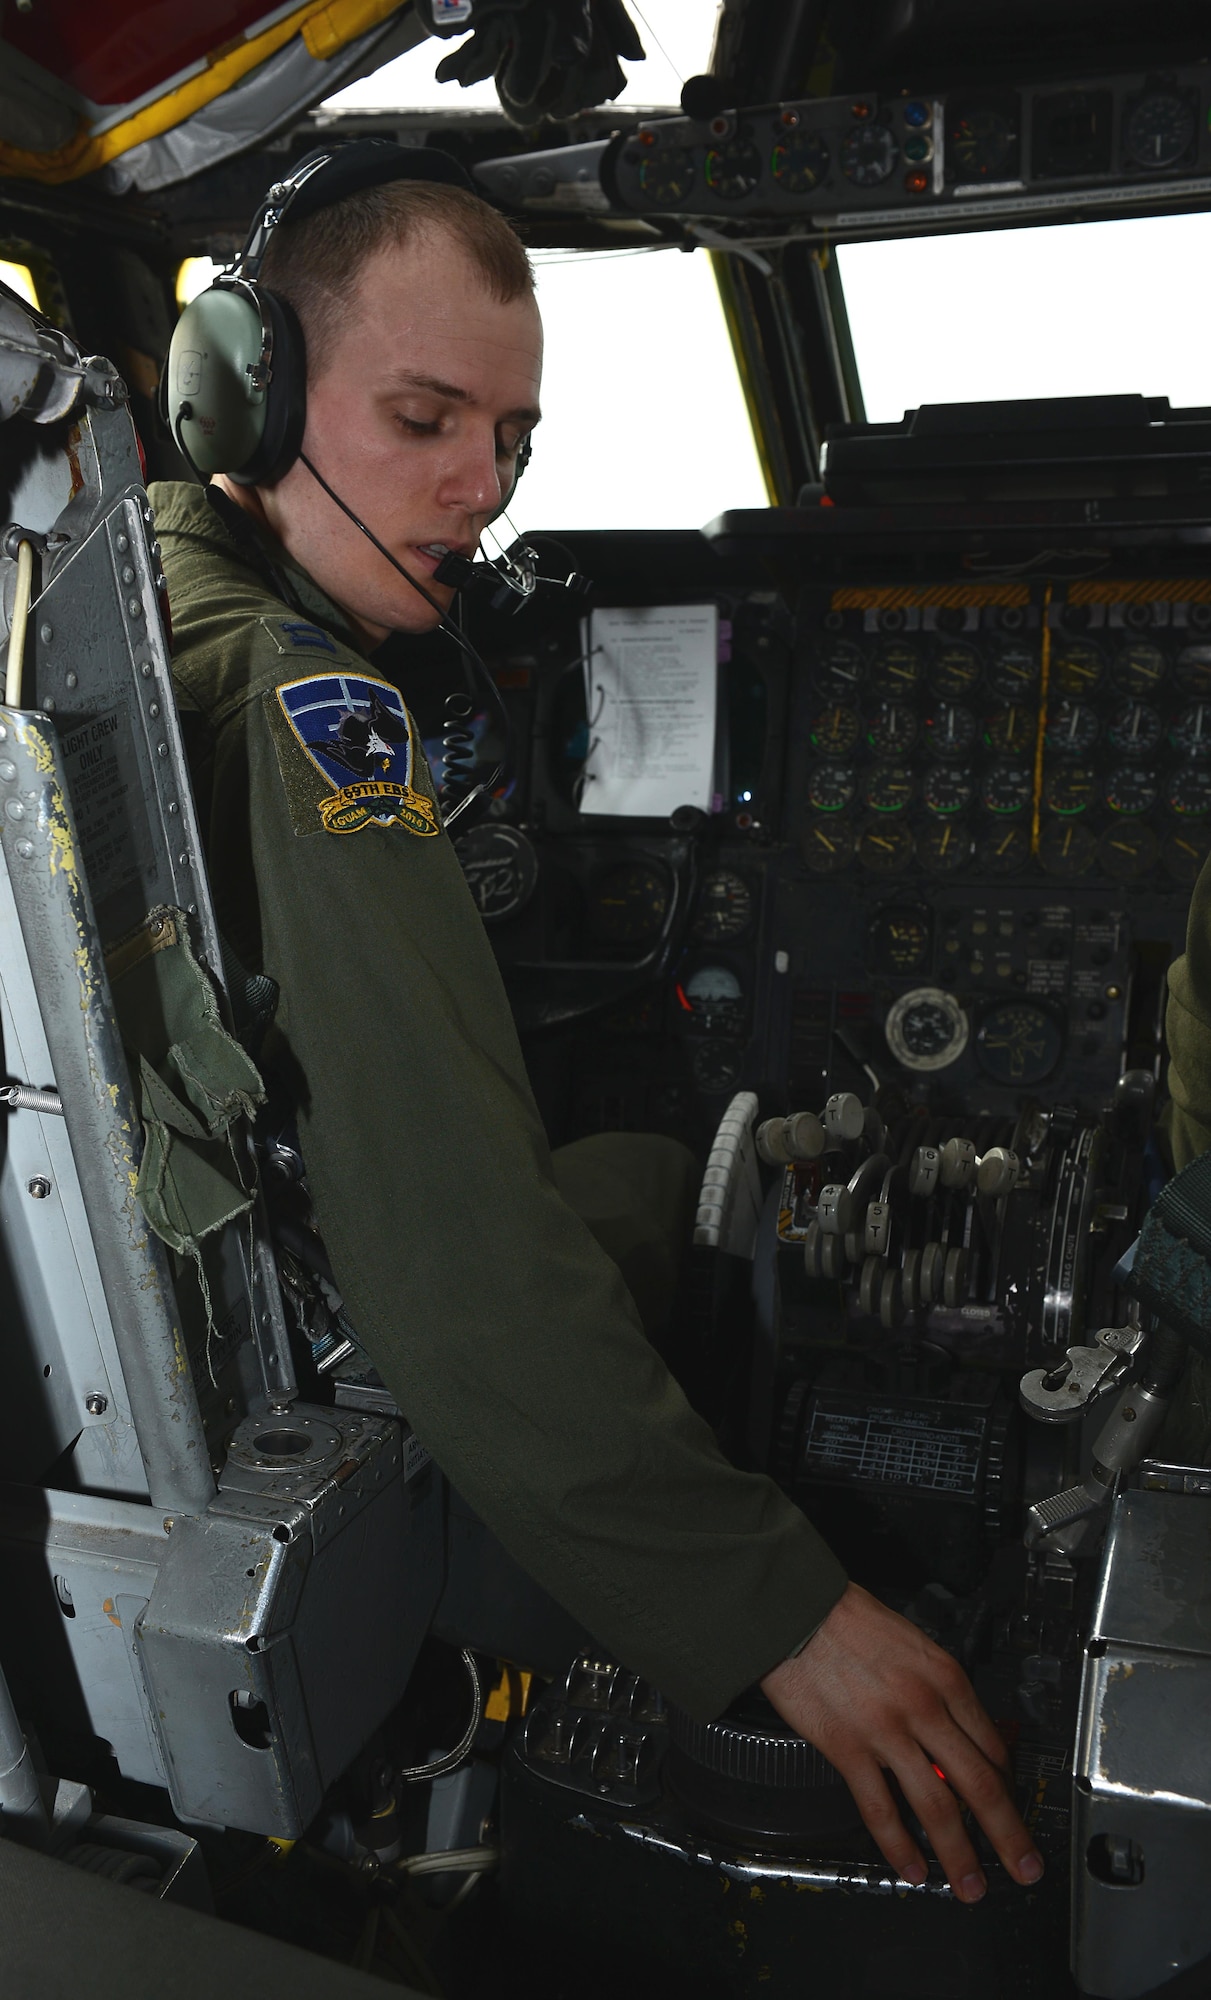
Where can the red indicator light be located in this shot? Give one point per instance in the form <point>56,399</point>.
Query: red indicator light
<point>917,182</point>
<point>941,1773</point>
<point>679,990</point>
<point>861,110</point>
<point>647,138</point>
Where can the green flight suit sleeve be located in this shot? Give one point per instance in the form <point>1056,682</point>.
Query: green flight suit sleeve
<point>504,1331</point>
<point>1188,1031</point>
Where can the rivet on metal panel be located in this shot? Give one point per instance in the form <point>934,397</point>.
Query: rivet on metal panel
<point>153,708</point>
<point>146,670</point>
<point>72,680</point>
<point>134,607</point>
<point>182,861</point>
<point>15,809</point>
<point>96,1404</point>
<point>39,1187</point>
<point>25,849</point>
<point>128,575</point>
<point>172,805</point>
<point>8,770</point>
<point>161,749</point>
<point>46,634</point>
<point>122,543</point>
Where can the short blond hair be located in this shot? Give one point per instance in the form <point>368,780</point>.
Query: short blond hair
<point>314,263</point>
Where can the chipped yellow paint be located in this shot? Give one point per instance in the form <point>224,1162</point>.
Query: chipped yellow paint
<point>756,1893</point>
<point>111,1614</point>
<point>739,1930</point>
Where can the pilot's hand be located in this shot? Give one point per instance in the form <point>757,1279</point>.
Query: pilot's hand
<point>875,1695</point>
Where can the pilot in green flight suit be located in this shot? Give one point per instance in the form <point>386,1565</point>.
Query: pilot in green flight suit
<point>506,1334</point>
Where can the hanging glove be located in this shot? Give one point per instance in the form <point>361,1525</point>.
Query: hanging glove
<point>550,58</point>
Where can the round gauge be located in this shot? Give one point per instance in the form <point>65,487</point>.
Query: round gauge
<point>896,668</point>
<point>828,847</point>
<point>1192,670</point>
<point>1066,850</point>
<point>950,730</point>
<point>889,787</point>
<point>830,787</point>
<point>1190,729</point>
<point>501,868</point>
<point>1070,788</point>
<point>733,170</point>
<point>1134,728</point>
<point>893,729</point>
<point>1184,852</point>
<point>712,994</point>
<point>955,671</point>
<point>1131,789</point>
<point>1013,669</point>
<point>868,154</point>
<point>1159,130</point>
<point>1076,667</point>
<point>799,162</point>
<point>1018,1044</point>
<point>725,906</point>
<point>885,847</point>
<point>1072,728</point>
<point>947,788</point>
<point>926,1029</point>
<point>667,175</point>
<point>716,1066</point>
<point>1189,791</point>
<point>835,731</point>
<point>1007,788</point>
<point>1139,669</point>
<point>981,143</point>
<point>1127,852</point>
<point>1004,851</point>
<point>1010,732</point>
<point>840,669</point>
<point>630,903</point>
<point>943,846</point>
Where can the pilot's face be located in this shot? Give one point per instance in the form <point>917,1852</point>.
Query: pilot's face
<point>415,418</point>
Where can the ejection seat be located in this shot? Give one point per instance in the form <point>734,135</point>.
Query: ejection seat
<point>223,1584</point>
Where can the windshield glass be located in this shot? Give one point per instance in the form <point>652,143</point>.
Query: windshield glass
<point>676,34</point>
<point>644,422</point>
<point>1075,309</point>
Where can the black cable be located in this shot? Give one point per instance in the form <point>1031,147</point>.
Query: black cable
<point>448,625</point>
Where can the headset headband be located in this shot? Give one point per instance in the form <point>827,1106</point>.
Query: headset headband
<point>328,175</point>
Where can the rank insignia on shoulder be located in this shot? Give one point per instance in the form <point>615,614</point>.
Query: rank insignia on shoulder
<point>298,635</point>
<point>358,734</point>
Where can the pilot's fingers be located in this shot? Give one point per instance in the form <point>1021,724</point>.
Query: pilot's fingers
<point>937,1808</point>
<point>949,1750</point>
<point>882,1820</point>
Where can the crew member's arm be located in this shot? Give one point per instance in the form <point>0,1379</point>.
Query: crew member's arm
<point>1188,1030</point>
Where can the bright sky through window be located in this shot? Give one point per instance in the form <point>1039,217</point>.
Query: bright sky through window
<point>1075,309</point>
<point>677,35</point>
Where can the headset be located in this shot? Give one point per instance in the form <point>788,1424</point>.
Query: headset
<point>234,393</point>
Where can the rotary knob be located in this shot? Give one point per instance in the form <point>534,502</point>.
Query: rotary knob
<point>785,1142</point>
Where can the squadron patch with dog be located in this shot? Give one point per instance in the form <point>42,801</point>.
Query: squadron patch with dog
<point>358,734</point>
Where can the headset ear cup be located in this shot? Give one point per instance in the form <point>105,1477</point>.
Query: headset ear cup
<point>285,400</point>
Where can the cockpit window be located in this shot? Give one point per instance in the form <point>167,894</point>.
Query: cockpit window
<point>644,421</point>
<point>677,35</point>
<point>19,278</point>
<point>1080,309</point>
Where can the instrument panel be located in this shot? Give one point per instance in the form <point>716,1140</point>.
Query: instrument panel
<point>1005,732</point>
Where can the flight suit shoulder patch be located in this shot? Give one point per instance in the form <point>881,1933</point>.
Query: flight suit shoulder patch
<point>347,752</point>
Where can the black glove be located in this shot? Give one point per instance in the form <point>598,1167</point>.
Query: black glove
<point>550,58</point>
